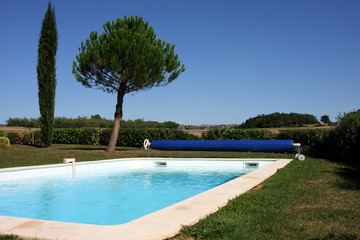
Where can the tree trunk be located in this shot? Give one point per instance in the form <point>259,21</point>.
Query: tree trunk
<point>116,128</point>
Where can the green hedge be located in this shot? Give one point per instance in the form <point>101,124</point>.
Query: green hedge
<point>75,136</point>
<point>67,136</point>
<point>97,136</point>
<point>339,143</point>
<point>90,136</point>
<point>310,139</point>
<point>248,134</point>
<point>135,137</point>
<point>346,136</point>
<point>37,138</point>
<point>238,134</point>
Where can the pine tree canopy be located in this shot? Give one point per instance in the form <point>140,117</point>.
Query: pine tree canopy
<point>126,58</point>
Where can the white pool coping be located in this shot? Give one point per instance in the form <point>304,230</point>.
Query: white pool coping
<point>157,225</point>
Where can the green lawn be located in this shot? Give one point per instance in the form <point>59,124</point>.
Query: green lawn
<point>25,155</point>
<point>313,199</point>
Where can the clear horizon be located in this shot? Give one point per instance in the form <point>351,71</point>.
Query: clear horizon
<point>242,59</point>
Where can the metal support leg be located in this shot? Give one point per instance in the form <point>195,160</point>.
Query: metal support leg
<point>299,156</point>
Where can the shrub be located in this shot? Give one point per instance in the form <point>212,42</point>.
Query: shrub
<point>66,136</point>
<point>4,143</point>
<point>238,134</point>
<point>347,134</point>
<point>37,138</point>
<point>128,137</point>
<point>132,137</point>
<point>213,134</point>
<point>311,140</point>
<point>248,134</point>
<point>20,138</point>
<point>341,142</point>
<point>26,138</point>
<point>90,136</point>
<point>327,145</point>
<point>2,133</point>
<point>14,137</point>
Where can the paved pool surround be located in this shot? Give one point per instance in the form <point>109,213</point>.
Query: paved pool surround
<point>158,225</point>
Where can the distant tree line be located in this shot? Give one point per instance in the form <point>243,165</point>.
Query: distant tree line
<point>279,120</point>
<point>340,142</point>
<point>95,121</point>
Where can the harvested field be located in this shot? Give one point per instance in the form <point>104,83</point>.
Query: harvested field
<point>196,132</point>
<point>274,130</point>
<point>305,127</point>
<point>7,129</point>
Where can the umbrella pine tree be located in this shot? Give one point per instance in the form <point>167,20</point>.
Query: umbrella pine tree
<point>126,58</point>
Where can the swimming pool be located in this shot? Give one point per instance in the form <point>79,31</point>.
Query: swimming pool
<point>160,224</point>
<point>112,192</point>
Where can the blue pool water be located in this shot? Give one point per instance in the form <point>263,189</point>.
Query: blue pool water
<point>109,195</point>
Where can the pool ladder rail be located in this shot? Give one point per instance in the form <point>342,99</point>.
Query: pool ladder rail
<point>72,161</point>
<point>147,145</point>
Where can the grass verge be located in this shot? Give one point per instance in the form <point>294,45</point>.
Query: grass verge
<point>25,155</point>
<point>314,199</point>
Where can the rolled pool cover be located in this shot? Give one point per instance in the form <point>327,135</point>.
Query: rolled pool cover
<point>225,145</point>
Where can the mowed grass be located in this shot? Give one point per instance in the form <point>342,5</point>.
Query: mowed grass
<point>313,199</point>
<point>25,155</point>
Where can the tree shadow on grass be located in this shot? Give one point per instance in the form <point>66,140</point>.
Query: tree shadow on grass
<point>37,146</point>
<point>30,145</point>
<point>351,176</point>
<point>84,149</point>
<point>96,149</point>
<point>332,236</point>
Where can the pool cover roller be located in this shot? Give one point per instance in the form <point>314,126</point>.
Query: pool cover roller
<point>225,145</point>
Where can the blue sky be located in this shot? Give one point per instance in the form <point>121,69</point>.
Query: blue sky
<point>242,58</point>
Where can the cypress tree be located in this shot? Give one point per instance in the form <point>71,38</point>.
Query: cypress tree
<point>46,75</point>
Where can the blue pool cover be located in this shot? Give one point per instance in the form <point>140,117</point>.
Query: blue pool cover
<point>225,145</point>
